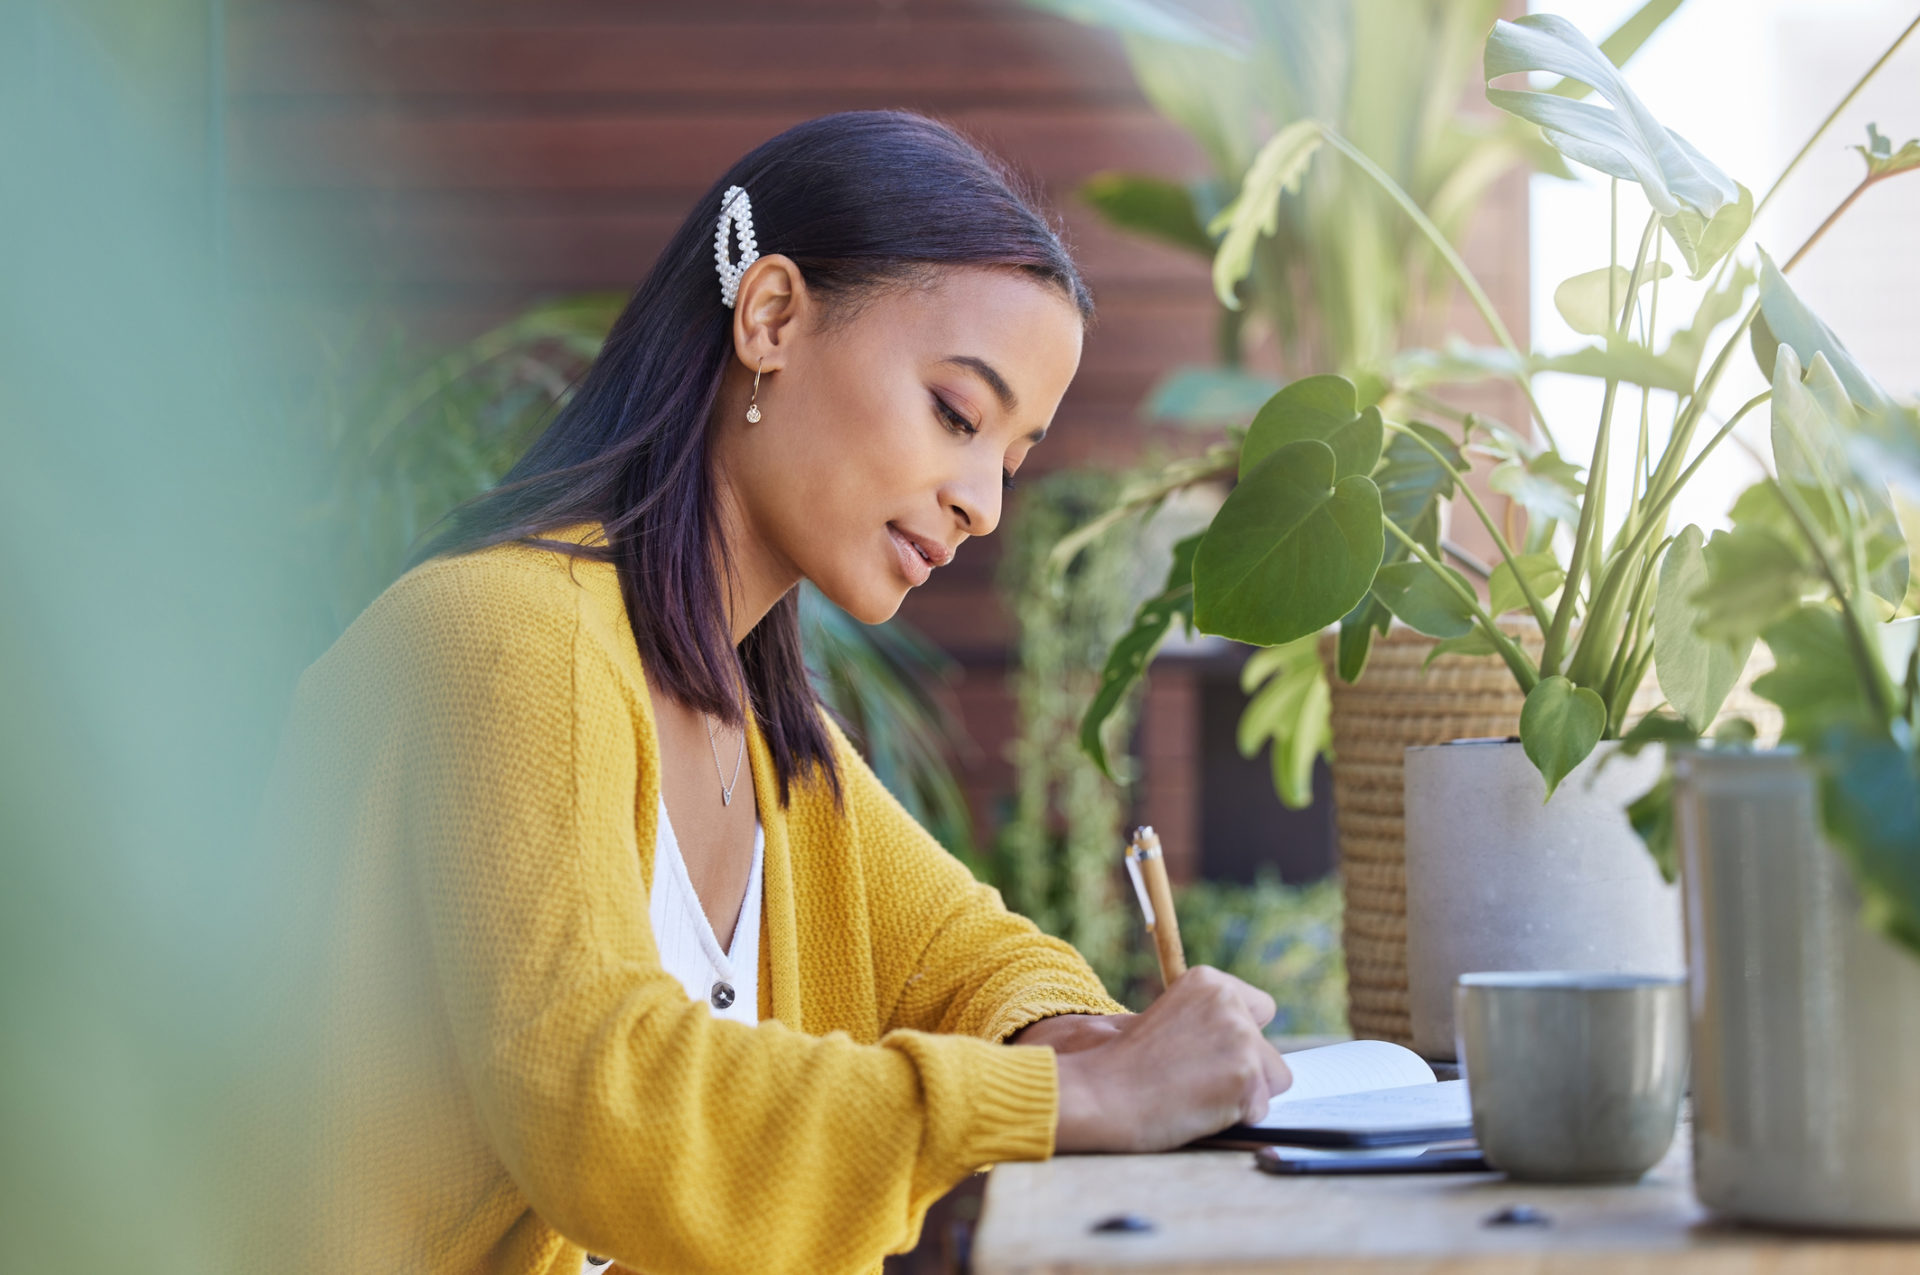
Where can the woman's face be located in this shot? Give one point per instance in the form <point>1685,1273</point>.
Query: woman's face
<point>886,438</point>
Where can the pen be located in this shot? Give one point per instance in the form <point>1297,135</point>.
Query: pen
<point>1148,868</point>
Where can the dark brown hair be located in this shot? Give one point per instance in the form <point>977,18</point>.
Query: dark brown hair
<point>859,200</point>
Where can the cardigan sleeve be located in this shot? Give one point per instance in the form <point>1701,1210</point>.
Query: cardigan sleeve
<point>947,953</point>
<point>634,1122</point>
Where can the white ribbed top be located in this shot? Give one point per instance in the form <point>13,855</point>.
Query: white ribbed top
<point>688,948</point>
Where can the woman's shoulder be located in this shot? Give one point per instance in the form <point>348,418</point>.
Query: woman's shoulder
<point>509,601</point>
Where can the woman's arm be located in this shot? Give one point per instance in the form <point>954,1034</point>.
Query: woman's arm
<point>633,1121</point>
<point>947,954</point>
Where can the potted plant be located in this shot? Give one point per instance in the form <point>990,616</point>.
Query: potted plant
<point>1334,519</point>
<point>1336,283</point>
<point>1802,865</point>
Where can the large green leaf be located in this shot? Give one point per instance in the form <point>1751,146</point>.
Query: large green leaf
<point>1290,551</point>
<point>1624,142</point>
<point>1425,599</point>
<point>1882,159</point>
<point>1150,206</point>
<point>1290,711</point>
<point>1255,211</point>
<point>1625,40</point>
<point>1559,725</point>
<point>1815,679</point>
<point>1870,803</point>
<point>1696,672</point>
<point>1413,481</point>
<point>1702,241</point>
<point>1791,323</point>
<point>1814,423</point>
<point>1317,407</point>
<point>1754,576</point>
<point>1541,571</point>
<point>1591,303</point>
<point>1127,661</point>
<point>1208,395</point>
<point>1622,360</point>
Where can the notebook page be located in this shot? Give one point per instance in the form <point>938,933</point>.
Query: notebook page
<point>1352,1066</point>
<point>1425,1106</point>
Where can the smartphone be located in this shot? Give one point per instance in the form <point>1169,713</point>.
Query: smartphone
<point>1289,1161</point>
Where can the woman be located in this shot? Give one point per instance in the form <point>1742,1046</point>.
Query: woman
<point>636,958</point>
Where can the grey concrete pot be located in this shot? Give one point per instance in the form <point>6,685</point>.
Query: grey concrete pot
<point>1498,879</point>
<point>1806,1026</point>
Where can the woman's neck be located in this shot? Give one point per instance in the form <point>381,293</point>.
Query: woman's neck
<point>759,577</point>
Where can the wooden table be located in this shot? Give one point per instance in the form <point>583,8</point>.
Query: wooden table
<point>1214,1212</point>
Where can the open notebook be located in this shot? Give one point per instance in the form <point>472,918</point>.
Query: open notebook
<point>1361,1093</point>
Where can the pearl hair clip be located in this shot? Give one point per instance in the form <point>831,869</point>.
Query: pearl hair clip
<point>736,210</point>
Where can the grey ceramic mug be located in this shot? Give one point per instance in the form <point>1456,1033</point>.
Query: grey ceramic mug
<point>1573,1077</point>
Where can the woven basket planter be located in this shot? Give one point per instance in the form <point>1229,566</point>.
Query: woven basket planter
<point>1396,706</point>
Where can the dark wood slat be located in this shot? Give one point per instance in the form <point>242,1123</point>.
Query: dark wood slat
<point>473,242</point>
<point>725,58</point>
<point>379,149</point>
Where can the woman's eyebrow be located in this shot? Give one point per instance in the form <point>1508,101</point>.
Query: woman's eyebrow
<point>1009,401</point>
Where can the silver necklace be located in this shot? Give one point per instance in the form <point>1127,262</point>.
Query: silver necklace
<point>726,789</point>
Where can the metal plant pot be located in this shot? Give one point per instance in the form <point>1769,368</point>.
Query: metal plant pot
<point>1806,1025</point>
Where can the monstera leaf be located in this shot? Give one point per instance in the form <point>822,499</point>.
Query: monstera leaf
<point>1291,550</point>
<point>1626,141</point>
<point>1320,407</point>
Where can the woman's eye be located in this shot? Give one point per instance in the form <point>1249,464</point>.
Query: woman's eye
<point>952,418</point>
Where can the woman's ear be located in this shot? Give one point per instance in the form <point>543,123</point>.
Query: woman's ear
<point>766,313</point>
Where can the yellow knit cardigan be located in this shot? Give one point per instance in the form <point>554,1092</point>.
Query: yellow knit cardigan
<point>507,1078</point>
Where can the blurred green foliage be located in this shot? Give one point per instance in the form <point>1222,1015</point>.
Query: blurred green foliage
<point>1056,852</point>
<point>1283,939</point>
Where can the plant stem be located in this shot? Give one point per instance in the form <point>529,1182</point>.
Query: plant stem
<point>1475,292</point>
<point>1814,139</point>
<point>1486,520</point>
<point>1592,508</point>
<point>1832,217</point>
<point>1657,512</point>
<point>1523,670</point>
<point>1833,115</point>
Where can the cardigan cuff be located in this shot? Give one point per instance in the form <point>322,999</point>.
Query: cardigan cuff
<point>1016,1100</point>
<point>1030,1010</point>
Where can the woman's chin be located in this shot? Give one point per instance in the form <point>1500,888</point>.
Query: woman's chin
<point>874,603</point>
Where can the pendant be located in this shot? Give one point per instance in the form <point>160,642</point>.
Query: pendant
<point>726,796</point>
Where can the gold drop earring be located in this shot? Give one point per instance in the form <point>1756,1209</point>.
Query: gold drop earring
<point>753,408</point>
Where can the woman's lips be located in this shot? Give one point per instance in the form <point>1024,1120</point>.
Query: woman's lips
<point>913,564</point>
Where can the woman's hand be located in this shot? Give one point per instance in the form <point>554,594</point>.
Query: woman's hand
<point>1192,1064</point>
<point>1069,1033</point>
